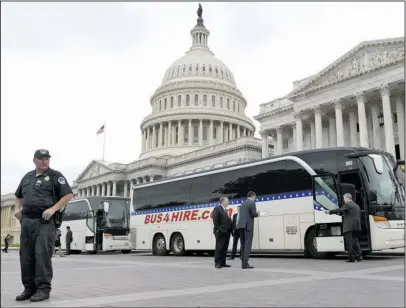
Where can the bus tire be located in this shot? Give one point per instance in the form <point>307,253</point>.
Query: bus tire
<point>178,245</point>
<point>124,252</point>
<point>311,250</point>
<point>159,248</point>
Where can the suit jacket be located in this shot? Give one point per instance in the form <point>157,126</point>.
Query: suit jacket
<point>69,237</point>
<point>248,211</point>
<point>351,216</point>
<point>221,220</point>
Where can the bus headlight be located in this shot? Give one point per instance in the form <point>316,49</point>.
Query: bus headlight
<point>381,222</point>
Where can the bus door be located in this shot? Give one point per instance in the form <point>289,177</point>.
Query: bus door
<point>351,182</point>
<point>329,237</point>
<point>90,240</point>
<point>100,225</point>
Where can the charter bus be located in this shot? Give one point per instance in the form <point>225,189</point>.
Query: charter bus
<point>98,224</point>
<point>175,215</point>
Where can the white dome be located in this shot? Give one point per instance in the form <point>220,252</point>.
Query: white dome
<point>199,63</point>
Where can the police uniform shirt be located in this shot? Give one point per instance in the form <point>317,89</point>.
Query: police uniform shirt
<point>38,192</point>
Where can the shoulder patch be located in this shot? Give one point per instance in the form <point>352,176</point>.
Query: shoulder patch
<point>61,180</point>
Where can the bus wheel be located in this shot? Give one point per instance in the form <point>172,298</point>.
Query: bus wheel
<point>311,245</point>
<point>124,252</point>
<point>178,245</point>
<point>159,248</point>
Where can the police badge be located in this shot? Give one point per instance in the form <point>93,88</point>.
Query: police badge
<point>46,179</point>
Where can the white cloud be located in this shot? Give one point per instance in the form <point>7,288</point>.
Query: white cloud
<point>68,67</point>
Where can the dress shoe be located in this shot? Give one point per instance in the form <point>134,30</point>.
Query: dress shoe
<point>24,296</point>
<point>218,266</point>
<point>39,296</point>
<point>226,265</point>
<point>350,261</point>
<point>247,266</point>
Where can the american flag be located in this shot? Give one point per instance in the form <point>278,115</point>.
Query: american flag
<point>101,130</point>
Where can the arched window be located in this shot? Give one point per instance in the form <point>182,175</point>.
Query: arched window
<point>238,107</point>
<point>205,132</point>
<point>184,68</point>
<point>160,105</point>
<point>196,100</point>
<point>213,101</point>
<point>186,134</point>
<point>165,104</point>
<point>171,101</point>
<point>190,67</point>
<point>179,100</point>
<point>221,103</point>
<point>234,106</point>
<point>195,133</point>
<point>210,70</point>
<point>187,99</point>
<point>204,68</point>
<point>176,135</point>
<point>205,100</point>
<point>197,68</point>
<point>228,104</point>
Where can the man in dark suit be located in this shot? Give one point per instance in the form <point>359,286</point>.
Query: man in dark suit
<point>236,234</point>
<point>222,231</point>
<point>248,212</point>
<point>69,239</point>
<point>351,225</point>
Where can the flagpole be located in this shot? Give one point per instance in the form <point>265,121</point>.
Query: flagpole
<point>104,139</point>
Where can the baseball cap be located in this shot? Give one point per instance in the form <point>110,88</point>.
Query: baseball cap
<point>41,153</point>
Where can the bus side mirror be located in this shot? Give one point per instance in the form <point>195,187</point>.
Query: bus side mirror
<point>106,206</point>
<point>398,163</point>
<point>373,196</point>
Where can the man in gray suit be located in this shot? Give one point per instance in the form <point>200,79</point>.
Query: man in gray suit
<point>351,225</point>
<point>245,225</point>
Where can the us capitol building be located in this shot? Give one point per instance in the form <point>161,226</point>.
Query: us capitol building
<point>198,119</point>
<point>197,123</point>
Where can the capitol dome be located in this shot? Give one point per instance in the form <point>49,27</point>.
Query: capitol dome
<point>197,105</point>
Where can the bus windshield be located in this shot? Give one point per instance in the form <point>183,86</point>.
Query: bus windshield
<point>118,214</point>
<point>381,181</point>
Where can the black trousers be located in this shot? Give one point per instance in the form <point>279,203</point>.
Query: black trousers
<point>5,247</point>
<point>68,248</point>
<point>220,253</point>
<point>246,245</point>
<point>352,244</point>
<point>236,238</point>
<point>36,249</point>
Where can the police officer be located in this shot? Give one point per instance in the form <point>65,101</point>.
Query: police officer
<point>41,193</point>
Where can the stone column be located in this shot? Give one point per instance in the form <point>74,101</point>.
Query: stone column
<point>211,132</point>
<point>91,190</point>
<point>279,140</point>
<point>353,128</point>
<point>338,108</point>
<point>103,189</point>
<point>318,126</point>
<point>143,140</point>
<point>174,135</point>
<point>180,133</point>
<point>388,121</point>
<point>98,190</point>
<point>125,188</point>
<point>221,135</point>
<point>200,132</point>
<point>400,114</point>
<point>108,189</point>
<point>114,192</point>
<point>312,135</point>
<point>299,130</point>
<point>190,133</point>
<point>332,135</point>
<point>293,123</point>
<point>160,136</point>
<point>147,137</point>
<point>144,179</point>
<point>265,148</point>
<point>169,140</point>
<point>362,120</point>
<point>153,137</point>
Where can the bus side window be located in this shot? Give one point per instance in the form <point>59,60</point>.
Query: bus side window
<point>271,179</point>
<point>233,184</point>
<point>76,210</point>
<point>200,188</point>
<point>297,178</point>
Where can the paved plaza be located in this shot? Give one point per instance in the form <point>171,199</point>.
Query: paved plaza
<point>142,280</point>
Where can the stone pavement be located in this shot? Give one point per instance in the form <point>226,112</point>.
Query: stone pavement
<point>141,280</point>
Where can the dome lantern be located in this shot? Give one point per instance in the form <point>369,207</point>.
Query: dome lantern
<point>199,33</point>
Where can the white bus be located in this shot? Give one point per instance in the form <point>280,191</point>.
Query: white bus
<point>174,215</point>
<point>98,224</point>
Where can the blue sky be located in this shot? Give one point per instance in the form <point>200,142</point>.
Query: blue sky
<point>68,67</point>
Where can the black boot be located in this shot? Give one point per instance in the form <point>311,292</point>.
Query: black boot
<point>39,296</point>
<point>24,296</point>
